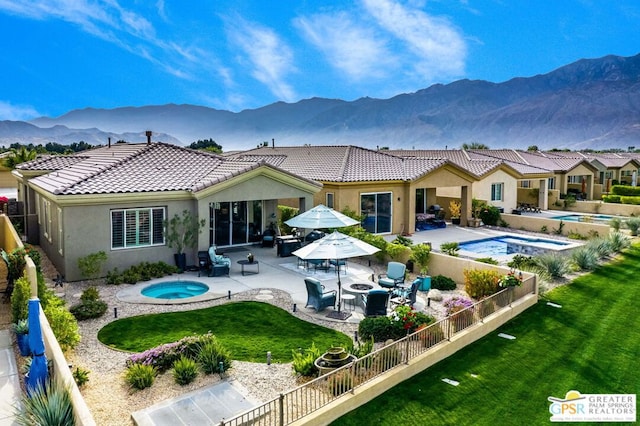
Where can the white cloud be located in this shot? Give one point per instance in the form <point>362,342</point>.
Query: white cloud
<point>351,47</point>
<point>437,45</point>
<point>270,57</point>
<point>17,112</point>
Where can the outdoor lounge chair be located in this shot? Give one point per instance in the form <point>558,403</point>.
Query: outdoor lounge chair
<point>394,276</point>
<point>409,295</point>
<point>204,262</point>
<point>316,297</point>
<point>375,303</point>
<point>220,264</point>
<point>269,238</point>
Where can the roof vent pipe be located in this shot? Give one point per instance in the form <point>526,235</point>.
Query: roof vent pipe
<point>148,133</point>
<point>109,139</point>
<point>273,142</point>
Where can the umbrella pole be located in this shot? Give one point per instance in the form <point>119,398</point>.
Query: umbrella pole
<point>338,314</point>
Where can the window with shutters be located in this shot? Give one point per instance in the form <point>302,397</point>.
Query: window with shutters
<point>132,228</point>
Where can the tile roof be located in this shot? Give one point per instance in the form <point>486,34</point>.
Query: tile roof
<point>343,163</point>
<point>476,165</point>
<point>131,168</point>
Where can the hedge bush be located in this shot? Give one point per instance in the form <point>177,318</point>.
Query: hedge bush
<point>441,282</point>
<point>611,199</point>
<point>630,200</point>
<point>479,283</point>
<point>633,191</point>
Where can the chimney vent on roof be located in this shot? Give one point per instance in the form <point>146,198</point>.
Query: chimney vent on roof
<point>148,133</point>
<point>273,142</point>
<point>109,139</point>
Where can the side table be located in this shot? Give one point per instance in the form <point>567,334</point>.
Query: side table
<point>244,263</point>
<point>351,300</point>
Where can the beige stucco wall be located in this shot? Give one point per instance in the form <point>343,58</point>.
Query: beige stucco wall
<point>535,224</point>
<point>7,180</point>
<point>482,189</point>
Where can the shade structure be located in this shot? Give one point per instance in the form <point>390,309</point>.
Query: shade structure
<point>38,372</point>
<point>336,246</point>
<point>321,217</point>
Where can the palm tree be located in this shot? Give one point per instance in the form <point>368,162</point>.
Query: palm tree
<point>19,155</point>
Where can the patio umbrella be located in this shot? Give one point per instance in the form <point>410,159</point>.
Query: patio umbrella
<point>321,217</point>
<point>336,246</point>
<point>38,371</point>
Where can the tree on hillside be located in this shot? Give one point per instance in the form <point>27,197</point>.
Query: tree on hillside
<point>533,148</point>
<point>207,145</point>
<point>17,156</point>
<point>474,145</point>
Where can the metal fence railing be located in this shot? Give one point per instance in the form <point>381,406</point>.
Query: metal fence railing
<point>305,399</point>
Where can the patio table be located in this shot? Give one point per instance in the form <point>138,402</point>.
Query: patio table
<point>245,262</point>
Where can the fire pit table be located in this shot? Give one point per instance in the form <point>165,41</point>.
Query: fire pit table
<point>358,289</point>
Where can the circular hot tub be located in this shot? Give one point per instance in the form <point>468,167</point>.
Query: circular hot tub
<point>175,290</point>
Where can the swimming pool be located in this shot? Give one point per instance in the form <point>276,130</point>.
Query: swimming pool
<point>595,218</point>
<point>509,244</point>
<point>175,290</point>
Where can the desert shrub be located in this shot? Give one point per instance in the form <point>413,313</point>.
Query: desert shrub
<point>141,272</point>
<point>91,264</point>
<point>503,223</point>
<point>441,282</point>
<point>185,370</point>
<point>397,251</point>
<point>460,310</point>
<point>615,223</point>
<point>46,405</point>
<point>90,294</point>
<point>377,328</point>
<point>20,299</point>
<point>80,376</point>
<point>88,310</point>
<point>403,241</point>
<point>520,261</point>
<point>575,235</point>
<point>558,230</point>
<point>479,283</point>
<point>611,199</point>
<point>364,347</point>
<point>114,277</point>
<point>490,215</point>
<point>286,213</point>
<point>64,325</point>
<point>556,266</point>
<point>140,376</point>
<point>488,260</point>
<point>450,248</point>
<point>420,255</point>
<point>211,355</point>
<point>633,224</point>
<point>602,246</point>
<point>585,258</point>
<point>618,241</point>
<point>303,361</point>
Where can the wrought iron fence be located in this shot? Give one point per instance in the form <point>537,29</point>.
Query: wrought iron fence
<point>305,399</point>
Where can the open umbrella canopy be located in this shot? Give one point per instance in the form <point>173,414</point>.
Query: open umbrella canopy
<point>335,246</point>
<point>38,371</point>
<point>321,217</point>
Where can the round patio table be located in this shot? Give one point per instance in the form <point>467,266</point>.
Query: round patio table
<point>244,263</point>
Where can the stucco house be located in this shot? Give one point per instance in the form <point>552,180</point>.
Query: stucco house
<point>116,199</point>
<point>389,190</point>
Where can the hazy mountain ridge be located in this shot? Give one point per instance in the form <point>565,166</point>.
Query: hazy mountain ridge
<point>591,103</point>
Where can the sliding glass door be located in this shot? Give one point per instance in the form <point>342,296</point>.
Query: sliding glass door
<point>376,209</point>
<point>235,222</point>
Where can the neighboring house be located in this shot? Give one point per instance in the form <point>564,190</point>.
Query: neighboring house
<point>498,179</point>
<point>116,199</point>
<point>387,189</point>
<point>6,178</point>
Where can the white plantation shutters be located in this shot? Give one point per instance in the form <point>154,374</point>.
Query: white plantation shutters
<point>137,227</point>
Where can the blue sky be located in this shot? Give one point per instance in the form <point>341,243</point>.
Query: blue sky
<point>60,55</point>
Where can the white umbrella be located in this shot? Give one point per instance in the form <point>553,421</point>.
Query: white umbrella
<point>336,246</point>
<point>321,217</point>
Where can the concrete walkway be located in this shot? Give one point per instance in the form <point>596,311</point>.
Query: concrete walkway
<point>10,392</point>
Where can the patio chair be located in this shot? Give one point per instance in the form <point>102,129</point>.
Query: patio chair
<point>407,296</point>
<point>220,264</point>
<point>375,303</point>
<point>204,262</point>
<point>269,238</point>
<point>394,276</point>
<point>337,264</point>
<point>316,297</point>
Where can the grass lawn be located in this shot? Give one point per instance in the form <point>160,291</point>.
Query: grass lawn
<point>590,345</point>
<point>248,329</point>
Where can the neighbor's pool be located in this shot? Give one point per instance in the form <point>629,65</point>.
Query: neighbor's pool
<point>508,244</point>
<point>595,218</point>
<point>175,289</point>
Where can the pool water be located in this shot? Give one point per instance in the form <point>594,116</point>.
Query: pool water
<point>175,289</point>
<point>595,218</point>
<point>507,244</point>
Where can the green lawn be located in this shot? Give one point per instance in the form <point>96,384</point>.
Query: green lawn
<point>591,345</point>
<point>248,329</point>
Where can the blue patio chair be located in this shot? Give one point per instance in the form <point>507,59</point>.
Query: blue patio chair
<point>375,303</point>
<point>341,263</point>
<point>220,264</point>
<point>316,297</point>
<point>408,295</point>
<point>394,276</point>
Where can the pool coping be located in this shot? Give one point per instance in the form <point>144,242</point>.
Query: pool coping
<point>133,293</point>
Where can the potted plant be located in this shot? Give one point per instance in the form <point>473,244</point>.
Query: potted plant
<point>420,255</point>
<point>454,210</point>
<point>21,328</point>
<point>182,232</point>
<point>250,257</point>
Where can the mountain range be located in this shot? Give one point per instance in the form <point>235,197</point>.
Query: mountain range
<point>591,103</point>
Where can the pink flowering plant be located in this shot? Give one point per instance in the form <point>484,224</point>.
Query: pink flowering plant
<point>457,304</point>
<point>162,357</point>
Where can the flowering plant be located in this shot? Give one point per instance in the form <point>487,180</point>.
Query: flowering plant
<point>457,304</point>
<point>403,316</point>
<point>162,357</point>
<point>510,280</point>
